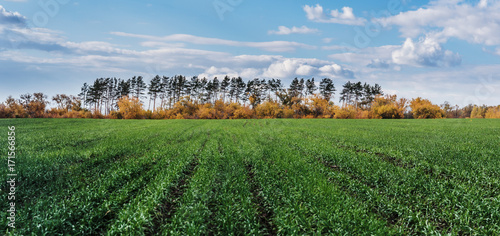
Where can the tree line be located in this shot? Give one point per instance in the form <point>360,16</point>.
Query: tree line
<point>201,98</point>
<point>164,92</point>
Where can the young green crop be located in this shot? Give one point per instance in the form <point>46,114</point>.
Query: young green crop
<point>253,177</point>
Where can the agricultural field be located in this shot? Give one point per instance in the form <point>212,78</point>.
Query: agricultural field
<point>253,177</point>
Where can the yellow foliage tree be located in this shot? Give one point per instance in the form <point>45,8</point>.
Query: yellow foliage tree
<point>388,107</point>
<point>320,107</point>
<point>424,109</point>
<point>493,113</point>
<point>130,108</point>
<point>269,110</point>
<point>346,112</point>
<point>243,112</point>
<point>478,112</point>
<point>14,109</point>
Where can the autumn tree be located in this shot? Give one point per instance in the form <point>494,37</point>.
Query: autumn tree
<point>448,109</point>
<point>388,107</point>
<point>493,113</point>
<point>130,108</point>
<point>14,109</point>
<point>478,112</point>
<point>320,107</point>
<point>63,101</point>
<point>424,109</point>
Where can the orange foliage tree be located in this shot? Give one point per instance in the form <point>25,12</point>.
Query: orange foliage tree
<point>388,107</point>
<point>346,112</point>
<point>424,109</point>
<point>130,108</point>
<point>493,113</point>
<point>321,107</point>
<point>478,112</point>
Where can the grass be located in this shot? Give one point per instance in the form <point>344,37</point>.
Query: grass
<point>254,177</point>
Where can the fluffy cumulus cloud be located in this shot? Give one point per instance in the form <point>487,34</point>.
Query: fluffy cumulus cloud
<point>283,30</point>
<point>291,67</point>
<point>476,23</point>
<point>426,52</point>
<point>346,16</point>
<point>280,68</point>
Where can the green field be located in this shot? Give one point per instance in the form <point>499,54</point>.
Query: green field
<point>260,177</point>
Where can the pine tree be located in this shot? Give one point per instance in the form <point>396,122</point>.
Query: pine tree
<point>326,88</point>
<point>310,87</point>
<point>224,87</point>
<point>154,90</point>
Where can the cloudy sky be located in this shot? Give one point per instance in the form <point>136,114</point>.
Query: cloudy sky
<point>444,50</point>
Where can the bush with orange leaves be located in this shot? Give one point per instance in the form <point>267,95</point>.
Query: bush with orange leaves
<point>363,114</point>
<point>77,114</point>
<point>320,107</point>
<point>219,110</point>
<point>184,109</point>
<point>130,108</point>
<point>243,112</point>
<point>478,112</point>
<point>388,107</point>
<point>424,109</point>
<point>493,113</point>
<point>347,112</point>
<point>12,109</point>
<point>269,110</point>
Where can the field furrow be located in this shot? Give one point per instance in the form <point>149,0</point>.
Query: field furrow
<point>254,177</point>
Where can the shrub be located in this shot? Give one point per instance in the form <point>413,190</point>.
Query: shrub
<point>424,109</point>
<point>130,108</point>
<point>348,112</point>
<point>388,107</point>
<point>493,113</point>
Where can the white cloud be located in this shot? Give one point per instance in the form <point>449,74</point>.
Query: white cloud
<point>444,19</point>
<point>165,54</point>
<point>336,71</point>
<point>379,63</point>
<point>328,40</point>
<point>283,30</point>
<point>483,3</point>
<point>346,16</point>
<point>7,17</point>
<point>278,67</point>
<point>154,44</point>
<point>365,56</point>
<point>272,46</point>
<point>464,85</point>
<point>292,67</point>
<point>426,52</point>
<point>338,47</point>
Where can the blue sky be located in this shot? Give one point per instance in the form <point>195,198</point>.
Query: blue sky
<point>444,50</point>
